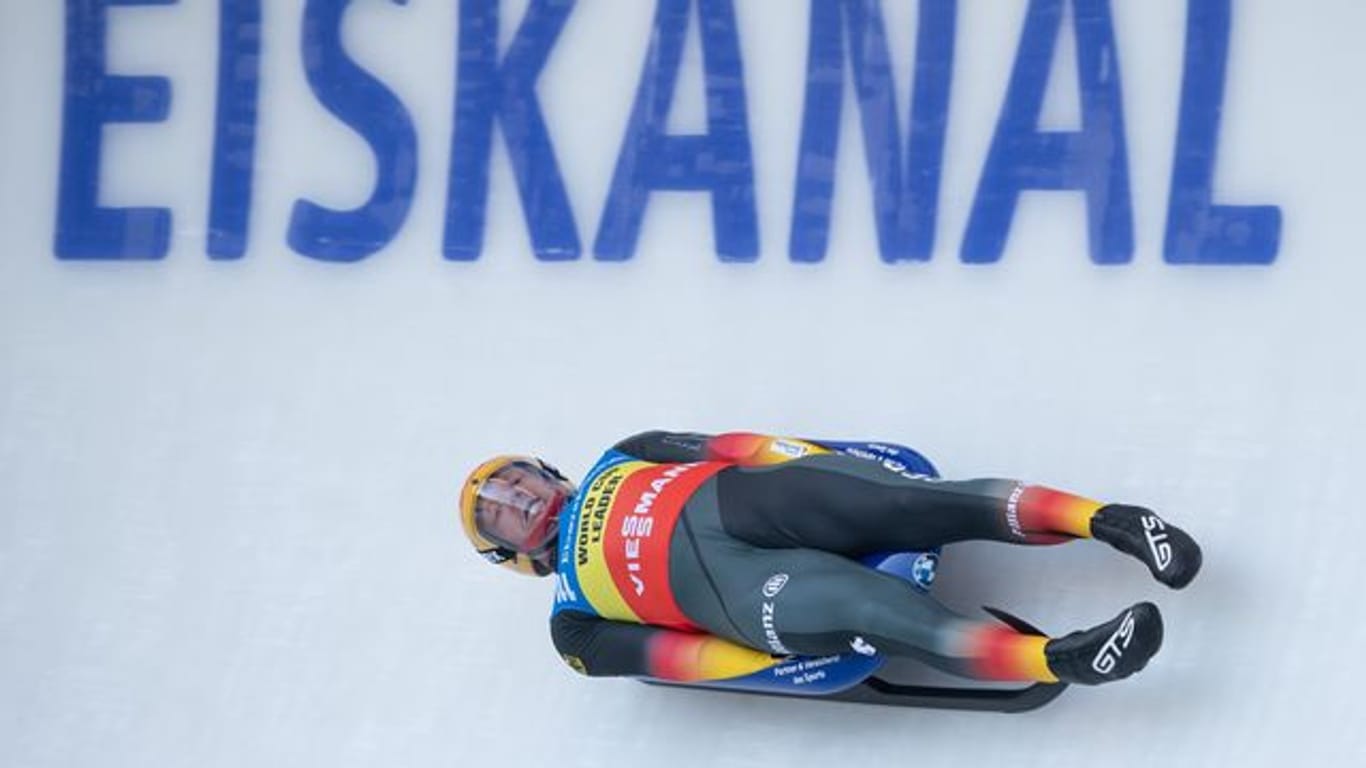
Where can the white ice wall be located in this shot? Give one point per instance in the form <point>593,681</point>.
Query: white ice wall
<point>227,533</point>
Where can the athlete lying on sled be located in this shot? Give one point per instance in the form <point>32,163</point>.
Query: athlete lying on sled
<point>696,558</point>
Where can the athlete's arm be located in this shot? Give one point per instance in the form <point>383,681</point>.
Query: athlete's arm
<point>600,647</point>
<point>746,448</point>
<point>662,447</point>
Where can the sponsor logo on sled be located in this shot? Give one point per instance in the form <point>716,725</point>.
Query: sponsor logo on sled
<point>1154,532</point>
<point>862,646</point>
<point>923,569</point>
<point>1110,653</point>
<point>774,585</point>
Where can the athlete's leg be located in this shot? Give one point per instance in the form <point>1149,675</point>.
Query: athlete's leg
<point>853,506</point>
<point>816,603</point>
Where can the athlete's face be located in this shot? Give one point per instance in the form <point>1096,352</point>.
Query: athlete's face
<point>520,506</point>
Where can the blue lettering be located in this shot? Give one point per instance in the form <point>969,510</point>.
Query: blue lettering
<point>372,110</point>
<point>500,92</point>
<point>718,161</point>
<point>234,133</point>
<point>905,195</point>
<point>90,99</point>
<point>487,91</point>
<point>1093,159</point>
<point>1199,231</point>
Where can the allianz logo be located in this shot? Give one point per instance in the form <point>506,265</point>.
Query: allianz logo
<point>774,585</point>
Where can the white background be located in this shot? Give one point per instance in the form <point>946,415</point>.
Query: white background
<point>227,490</point>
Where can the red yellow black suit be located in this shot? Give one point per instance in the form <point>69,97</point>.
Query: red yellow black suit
<point>693,557</point>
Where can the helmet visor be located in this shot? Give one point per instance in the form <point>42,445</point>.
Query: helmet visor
<point>518,506</point>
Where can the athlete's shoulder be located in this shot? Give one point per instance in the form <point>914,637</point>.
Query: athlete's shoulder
<point>661,446</point>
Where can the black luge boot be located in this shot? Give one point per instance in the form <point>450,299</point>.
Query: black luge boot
<point>1170,553</point>
<point>1112,651</point>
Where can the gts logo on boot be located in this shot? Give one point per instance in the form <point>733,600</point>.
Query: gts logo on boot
<point>1154,530</point>
<point>1110,653</point>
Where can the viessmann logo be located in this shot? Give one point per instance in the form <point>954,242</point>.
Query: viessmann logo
<point>495,92</point>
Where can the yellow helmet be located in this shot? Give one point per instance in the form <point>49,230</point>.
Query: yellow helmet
<point>510,509</point>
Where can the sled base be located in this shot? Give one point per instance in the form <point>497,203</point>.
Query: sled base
<point>877,691</point>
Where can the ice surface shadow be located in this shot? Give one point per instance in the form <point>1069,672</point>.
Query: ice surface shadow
<point>1056,588</point>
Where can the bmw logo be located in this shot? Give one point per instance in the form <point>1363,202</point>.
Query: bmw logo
<point>922,570</point>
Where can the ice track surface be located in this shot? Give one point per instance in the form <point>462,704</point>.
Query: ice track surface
<point>227,489</point>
